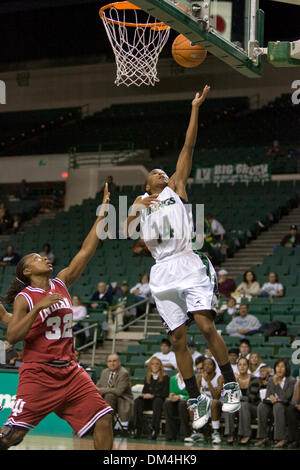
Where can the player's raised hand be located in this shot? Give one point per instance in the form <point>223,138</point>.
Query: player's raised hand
<point>49,300</point>
<point>199,99</point>
<point>106,194</point>
<point>141,203</point>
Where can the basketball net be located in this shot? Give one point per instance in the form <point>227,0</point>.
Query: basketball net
<point>136,44</point>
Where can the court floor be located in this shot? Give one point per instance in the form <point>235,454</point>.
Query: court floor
<point>35,442</point>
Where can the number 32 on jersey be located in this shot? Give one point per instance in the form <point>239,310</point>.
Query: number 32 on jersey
<point>60,327</point>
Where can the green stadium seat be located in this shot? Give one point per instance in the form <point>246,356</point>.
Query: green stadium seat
<point>285,353</point>
<point>278,340</point>
<point>265,352</point>
<point>284,318</point>
<point>136,349</point>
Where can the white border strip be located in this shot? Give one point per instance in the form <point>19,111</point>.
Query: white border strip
<point>28,298</point>
<point>19,423</point>
<point>85,428</point>
<point>60,282</point>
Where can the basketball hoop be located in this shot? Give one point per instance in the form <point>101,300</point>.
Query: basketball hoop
<point>137,39</point>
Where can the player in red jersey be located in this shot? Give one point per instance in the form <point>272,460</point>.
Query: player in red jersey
<point>49,379</point>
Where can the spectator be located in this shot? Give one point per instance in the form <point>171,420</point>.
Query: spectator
<point>217,228</point>
<point>48,253</point>
<point>194,354</point>
<point>10,258</point>
<point>79,314</point>
<point>227,314</point>
<point>103,294</point>
<point>273,288</point>
<point>233,355</point>
<point>226,285</point>
<point>120,302</point>
<point>176,406</point>
<point>23,190</point>
<point>16,223</point>
<point>11,354</point>
<point>166,356</point>
<point>293,414</point>
<point>265,373</point>
<point>211,383</point>
<point>140,248</point>
<point>112,187</point>
<point>249,287</point>
<point>115,387</point>
<point>244,324</point>
<point>154,393</point>
<point>255,364</point>
<point>277,400</point>
<point>249,386</point>
<point>199,364</point>
<point>292,239</point>
<point>141,290</point>
<point>5,220</point>
<point>274,151</point>
<point>245,348</point>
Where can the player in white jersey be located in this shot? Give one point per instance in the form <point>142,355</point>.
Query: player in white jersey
<point>183,283</point>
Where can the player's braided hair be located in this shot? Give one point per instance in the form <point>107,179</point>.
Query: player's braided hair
<point>18,284</point>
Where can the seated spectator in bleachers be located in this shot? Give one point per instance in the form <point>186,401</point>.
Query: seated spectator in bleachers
<point>154,393</point>
<point>140,248</point>
<point>217,229</point>
<point>244,324</point>
<point>141,290</point>
<point>275,151</point>
<point>165,355</point>
<point>10,258</point>
<point>115,387</point>
<point>255,364</point>
<point>249,287</point>
<point>225,315</point>
<point>249,386</point>
<point>5,220</point>
<point>293,413</point>
<point>11,354</point>
<point>273,288</point>
<point>79,314</point>
<point>292,239</point>
<point>226,285</point>
<point>199,365</point>
<point>210,382</point>
<point>16,223</point>
<point>245,348</point>
<point>120,302</point>
<point>175,407</point>
<point>276,403</point>
<point>103,293</point>
<point>195,354</point>
<point>233,355</point>
<point>48,253</point>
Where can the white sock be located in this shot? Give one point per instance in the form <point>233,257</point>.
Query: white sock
<point>215,425</point>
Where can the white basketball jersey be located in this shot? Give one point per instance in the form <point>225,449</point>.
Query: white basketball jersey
<point>167,225</point>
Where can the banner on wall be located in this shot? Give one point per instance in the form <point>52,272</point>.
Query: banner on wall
<point>233,173</point>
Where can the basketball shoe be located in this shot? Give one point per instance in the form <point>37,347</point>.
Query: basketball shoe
<point>200,407</point>
<point>232,397</point>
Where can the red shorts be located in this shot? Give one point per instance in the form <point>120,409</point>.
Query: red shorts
<point>67,391</point>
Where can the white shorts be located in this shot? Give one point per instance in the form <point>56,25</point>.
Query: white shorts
<point>183,283</point>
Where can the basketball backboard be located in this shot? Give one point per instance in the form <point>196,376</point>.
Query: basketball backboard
<point>224,28</point>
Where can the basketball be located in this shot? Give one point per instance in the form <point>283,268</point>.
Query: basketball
<point>185,54</point>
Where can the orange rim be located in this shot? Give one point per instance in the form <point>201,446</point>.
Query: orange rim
<point>129,6</point>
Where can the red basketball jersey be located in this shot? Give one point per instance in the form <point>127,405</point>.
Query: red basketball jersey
<point>50,338</point>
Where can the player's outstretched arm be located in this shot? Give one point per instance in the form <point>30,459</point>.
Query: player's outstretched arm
<point>135,212</point>
<point>22,319</point>
<point>184,163</point>
<point>5,317</point>
<point>70,274</point>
